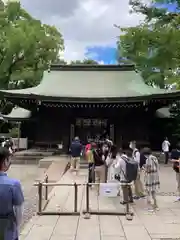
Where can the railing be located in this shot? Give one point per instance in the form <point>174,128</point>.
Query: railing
<point>87,212</point>
<point>42,197</point>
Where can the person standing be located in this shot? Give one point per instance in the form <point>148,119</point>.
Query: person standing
<point>125,184</point>
<point>152,183</point>
<point>76,151</point>
<point>138,186</point>
<point>11,200</point>
<point>175,159</point>
<point>99,163</point>
<point>90,159</point>
<point>165,148</point>
<point>110,161</point>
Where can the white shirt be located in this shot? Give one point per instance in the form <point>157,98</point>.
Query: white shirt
<point>165,146</point>
<point>120,166</point>
<point>136,155</point>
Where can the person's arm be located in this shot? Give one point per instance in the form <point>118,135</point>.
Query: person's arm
<point>137,157</point>
<point>18,200</point>
<point>162,146</point>
<point>147,166</point>
<point>18,210</point>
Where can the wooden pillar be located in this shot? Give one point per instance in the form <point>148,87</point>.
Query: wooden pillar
<point>72,132</point>
<point>112,132</point>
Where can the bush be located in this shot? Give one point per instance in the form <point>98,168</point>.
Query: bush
<point>14,132</point>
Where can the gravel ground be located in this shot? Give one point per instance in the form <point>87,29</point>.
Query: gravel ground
<point>27,174</point>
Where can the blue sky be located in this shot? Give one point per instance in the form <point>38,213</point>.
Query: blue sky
<point>108,55</point>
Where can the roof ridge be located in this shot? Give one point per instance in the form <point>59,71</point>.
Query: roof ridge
<point>92,67</point>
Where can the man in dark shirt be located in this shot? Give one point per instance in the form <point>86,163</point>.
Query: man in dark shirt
<point>175,158</point>
<point>99,163</point>
<point>76,151</point>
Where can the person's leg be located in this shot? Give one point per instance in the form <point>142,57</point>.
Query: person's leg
<point>149,205</point>
<point>77,163</point>
<point>138,187</point>
<point>166,157</point>
<point>102,174</point>
<point>72,163</point>
<point>93,173</point>
<point>141,188</point>
<point>130,195</point>
<point>155,206</point>
<point>125,192</point>
<point>97,177</point>
<point>90,173</point>
<point>178,184</point>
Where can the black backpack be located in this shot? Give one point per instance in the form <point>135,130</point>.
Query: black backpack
<point>131,169</point>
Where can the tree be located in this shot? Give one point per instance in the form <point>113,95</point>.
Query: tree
<point>27,47</point>
<point>151,11</point>
<point>58,60</point>
<point>85,61</point>
<point>153,45</point>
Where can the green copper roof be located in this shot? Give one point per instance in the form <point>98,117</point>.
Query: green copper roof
<point>18,113</point>
<point>89,82</point>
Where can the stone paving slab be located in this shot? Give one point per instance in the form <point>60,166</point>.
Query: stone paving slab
<point>144,226</point>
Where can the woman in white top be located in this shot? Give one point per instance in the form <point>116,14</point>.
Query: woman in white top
<point>165,148</point>
<point>110,162</point>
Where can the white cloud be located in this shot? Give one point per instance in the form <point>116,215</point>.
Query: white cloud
<point>84,22</point>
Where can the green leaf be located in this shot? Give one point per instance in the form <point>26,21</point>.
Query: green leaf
<point>27,47</point>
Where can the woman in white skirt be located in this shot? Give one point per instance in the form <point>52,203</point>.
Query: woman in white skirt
<point>151,178</point>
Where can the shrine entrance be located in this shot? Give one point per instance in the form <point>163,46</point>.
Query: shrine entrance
<point>91,129</point>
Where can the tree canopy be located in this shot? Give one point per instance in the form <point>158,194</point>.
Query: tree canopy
<point>153,45</point>
<point>27,47</point>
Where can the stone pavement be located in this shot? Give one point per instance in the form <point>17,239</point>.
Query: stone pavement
<point>27,175</point>
<point>163,224</point>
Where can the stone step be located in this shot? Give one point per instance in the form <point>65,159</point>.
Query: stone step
<point>55,170</point>
<point>25,159</point>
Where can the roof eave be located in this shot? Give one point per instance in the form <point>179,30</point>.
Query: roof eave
<point>9,94</point>
<point>17,114</point>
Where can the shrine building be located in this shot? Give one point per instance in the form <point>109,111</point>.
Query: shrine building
<point>87,101</point>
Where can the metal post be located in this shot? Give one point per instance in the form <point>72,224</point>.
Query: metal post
<point>46,188</point>
<point>87,198</point>
<point>39,197</point>
<point>19,134</point>
<point>75,197</point>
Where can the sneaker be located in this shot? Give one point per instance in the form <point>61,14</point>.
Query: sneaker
<point>156,209</point>
<point>143,196</point>
<point>136,197</point>
<point>149,209</point>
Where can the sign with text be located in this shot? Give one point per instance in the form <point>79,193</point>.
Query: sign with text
<point>86,122</point>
